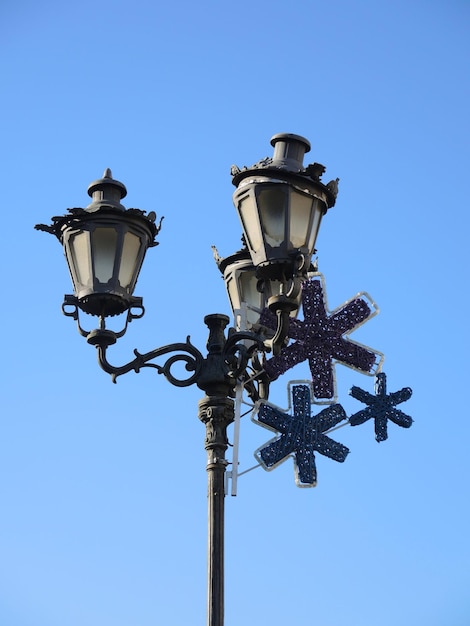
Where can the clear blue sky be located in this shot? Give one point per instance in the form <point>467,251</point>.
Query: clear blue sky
<point>103,487</point>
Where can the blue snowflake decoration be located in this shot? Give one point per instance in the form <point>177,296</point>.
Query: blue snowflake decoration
<point>381,407</point>
<point>301,435</point>
<point>321,339</point>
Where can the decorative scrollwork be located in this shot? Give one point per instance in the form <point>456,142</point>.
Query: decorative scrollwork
<point>190,355</point>
<point>190,361</point>
<point>237,353</point>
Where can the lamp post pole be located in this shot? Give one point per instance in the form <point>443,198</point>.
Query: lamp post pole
<point>216,411</point>
<point>280,204</point>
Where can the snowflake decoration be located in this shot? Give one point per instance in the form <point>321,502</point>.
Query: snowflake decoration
<point>301,434</point>
<point>321,338</point>
<point>381,407</point>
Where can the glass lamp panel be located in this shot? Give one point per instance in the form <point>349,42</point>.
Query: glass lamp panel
<point>80,259</point>
<point>129,259</point>
<point>250,221</point>
<point>300,219</point>
<point>104,242</point>
<point>319,210</point>
<point>249,292</point>
<point>246,301</point>
<point>250,296</point>
<point>272,203</point>
<point>232,291</point>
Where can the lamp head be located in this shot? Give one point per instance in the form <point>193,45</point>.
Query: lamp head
<point>105,245</point>
<point>281,203</point>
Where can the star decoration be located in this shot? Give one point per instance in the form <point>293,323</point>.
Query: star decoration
<point>301,434</point>
<point>320,339</point>
<point>381,407</point>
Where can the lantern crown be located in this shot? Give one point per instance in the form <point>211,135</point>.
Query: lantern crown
<point>289,151</point>
<point>287,165</point>
<point>106,193</point>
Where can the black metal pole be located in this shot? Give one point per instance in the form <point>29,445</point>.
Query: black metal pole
<point>216,411</point>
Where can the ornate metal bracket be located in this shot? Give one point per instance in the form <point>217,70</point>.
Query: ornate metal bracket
<point>189,355</point>
<point>229,360</point>
<point>71,308</point>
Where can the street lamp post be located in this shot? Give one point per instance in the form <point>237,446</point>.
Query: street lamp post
<point>280,203</point>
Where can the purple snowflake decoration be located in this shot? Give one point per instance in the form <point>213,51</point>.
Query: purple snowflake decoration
<point>381,407</point>
<point>320,339</point>
<point>301,434</point>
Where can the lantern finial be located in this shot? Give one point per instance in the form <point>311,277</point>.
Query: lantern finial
<point>106,193</point>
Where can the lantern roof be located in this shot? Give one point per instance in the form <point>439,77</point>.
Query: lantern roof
<point>287,165</point>
<point>106,193</point>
